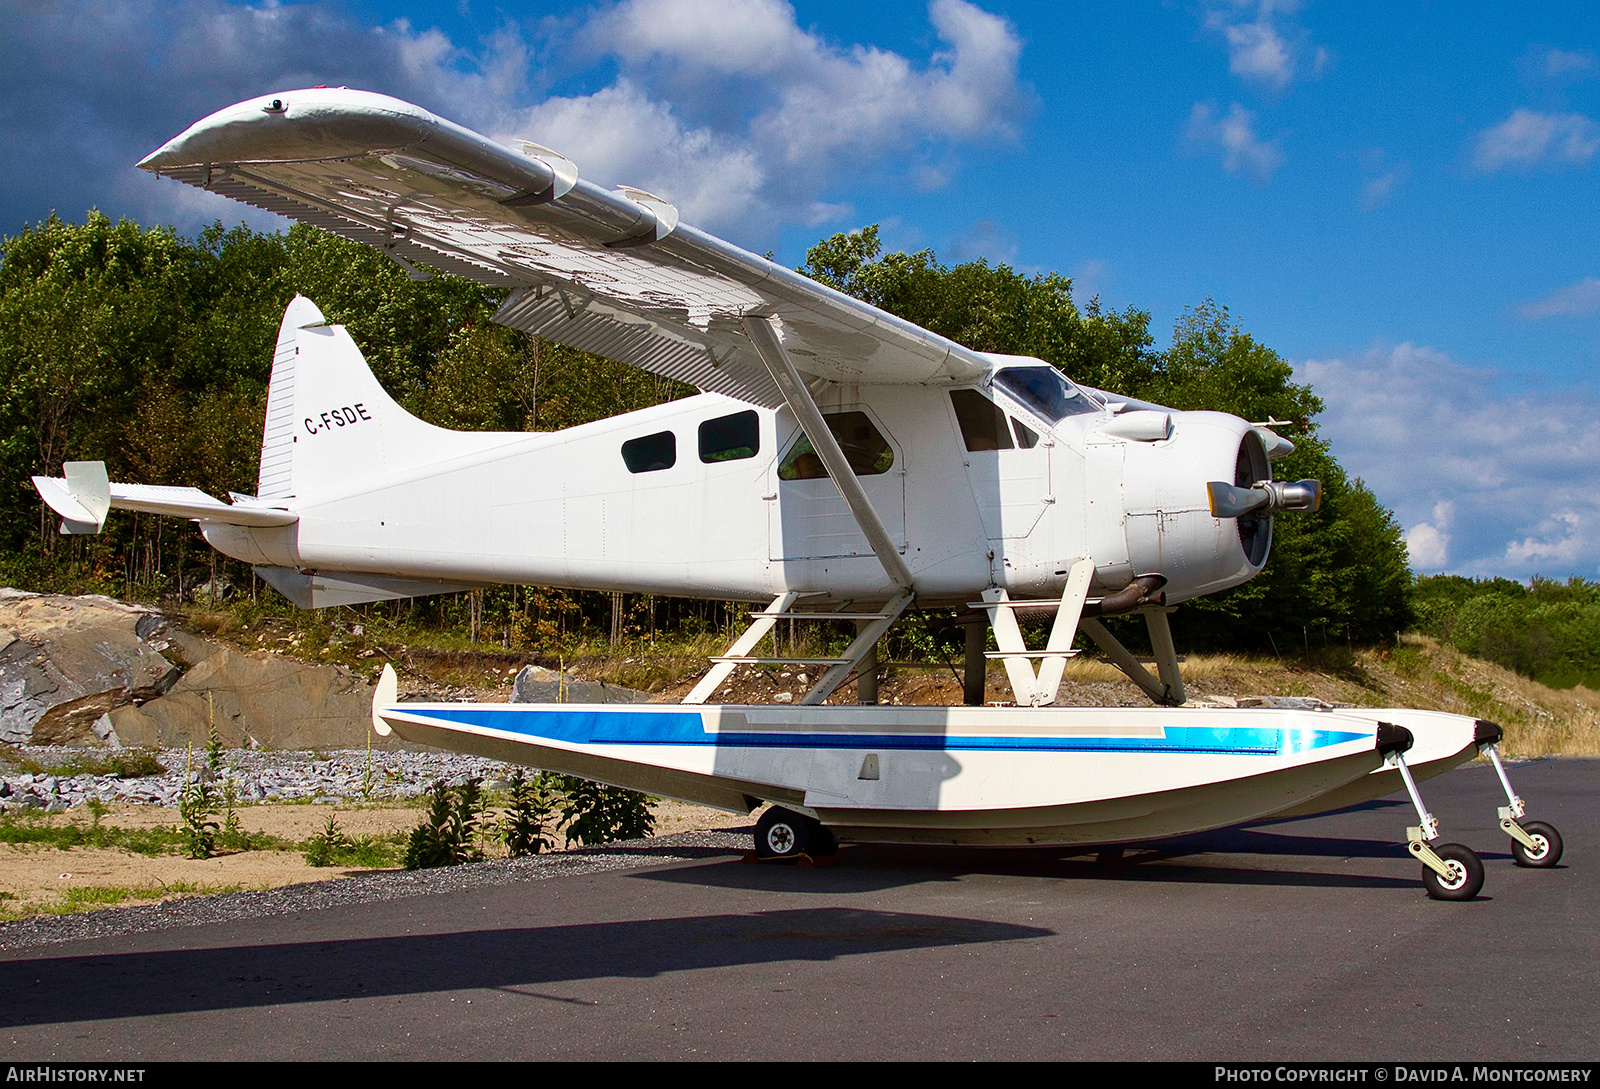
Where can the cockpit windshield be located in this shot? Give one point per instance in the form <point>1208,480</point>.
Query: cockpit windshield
<point>1045,390</point>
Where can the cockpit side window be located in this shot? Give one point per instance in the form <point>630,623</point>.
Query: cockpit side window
<point>651,453</point>
<point>730,438</point>
<point>864,446</point>
<point>1026,438</point>
<point>1045,390</point>
<point>983,425</point>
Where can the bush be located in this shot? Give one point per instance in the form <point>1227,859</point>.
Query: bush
<point>323,848</point>
<point>446,835</point>
<point>596,814</point>
<point>522,828</point>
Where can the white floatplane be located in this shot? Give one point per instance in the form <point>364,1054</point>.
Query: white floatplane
<point>841,464</point>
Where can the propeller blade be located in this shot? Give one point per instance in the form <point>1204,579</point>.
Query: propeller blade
<point>1268,496</point>
<point>1232,501</point>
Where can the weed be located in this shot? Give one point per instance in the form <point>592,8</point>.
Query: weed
<point>43,830</point>
<point>522,828</point>
<point>322,848</point>
<point>446,835</point>
<point>196,807</point>
<point>331,847</point>
<point>127,764</point>
<point>90,897</point>
<point>596,814</point>
<point>232,837</point>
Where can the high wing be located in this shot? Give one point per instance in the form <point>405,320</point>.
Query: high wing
<point>613,273</point>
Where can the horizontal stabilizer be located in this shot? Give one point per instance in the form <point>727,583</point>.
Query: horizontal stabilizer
<point>319,591</point>
<point>74,498</point>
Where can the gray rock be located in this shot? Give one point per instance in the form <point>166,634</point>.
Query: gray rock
<point>254,701</point>
<point>535,684</point>
<point>67,661</point>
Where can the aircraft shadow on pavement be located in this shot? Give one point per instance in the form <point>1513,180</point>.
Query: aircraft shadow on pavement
<point>101,987</point>
<point>1199,859</point>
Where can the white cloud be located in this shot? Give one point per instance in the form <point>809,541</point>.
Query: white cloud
<point>1582,297</point>
<point>985,240</point>
<point>1090,277</point>
<point>1528,138</point>
<point>810,111</point>
<point>1257,52</point>
<point>1488,483</point>
<point>1265,46</point>
<point>1385,177</point>
<point>1376,192</point>
<point>621,136</point>
<point>1429,547</point>
<point>1235,137</point>
<point>728,108</point>
<point>1564,63</point>
<point>1559,540</point>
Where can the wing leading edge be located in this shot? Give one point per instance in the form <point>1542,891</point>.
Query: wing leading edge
<point>614,273</point>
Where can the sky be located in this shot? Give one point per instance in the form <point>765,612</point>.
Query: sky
<point>1397,198</point>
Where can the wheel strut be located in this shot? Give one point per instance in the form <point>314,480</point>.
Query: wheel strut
<point>1535,844</point>
<point>1450,871</point>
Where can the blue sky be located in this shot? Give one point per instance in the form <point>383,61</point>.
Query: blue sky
<point>1397,198</point>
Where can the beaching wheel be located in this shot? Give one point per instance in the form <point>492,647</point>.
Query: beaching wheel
<point>1549,846</point>
<point>782,835</point>
<point>1466,874</point>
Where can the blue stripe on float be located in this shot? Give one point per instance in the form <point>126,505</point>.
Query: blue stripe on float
<point>592,727</point>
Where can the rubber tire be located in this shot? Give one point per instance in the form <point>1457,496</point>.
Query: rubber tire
<point>1471,876</point>
<point>1553,847</point>
<point>783,835</point>
<point>823,843</point>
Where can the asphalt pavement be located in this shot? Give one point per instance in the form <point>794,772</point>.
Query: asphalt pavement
<point>1302,940</point>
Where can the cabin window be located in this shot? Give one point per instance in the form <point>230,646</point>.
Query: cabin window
<point>983,425</point>
<point>1045,390</point>
<point>730,438</point>
<point>864,447</point>
<point>651,453</point>
<point>1026,439</point>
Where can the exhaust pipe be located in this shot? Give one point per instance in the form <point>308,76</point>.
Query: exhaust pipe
<point>1143,590</point>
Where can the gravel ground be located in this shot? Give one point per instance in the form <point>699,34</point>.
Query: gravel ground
<point>258,776</point>
<point>367,889</point>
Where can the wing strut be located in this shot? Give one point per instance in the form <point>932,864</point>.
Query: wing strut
<point>798,397</point>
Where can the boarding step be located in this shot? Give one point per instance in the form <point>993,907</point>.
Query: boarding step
<point>1031,653</point>
<point>820,616</point>
<point>1027,603</point>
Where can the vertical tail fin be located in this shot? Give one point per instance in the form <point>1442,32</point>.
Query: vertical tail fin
<point>277,438</point>
<point>330,424</point>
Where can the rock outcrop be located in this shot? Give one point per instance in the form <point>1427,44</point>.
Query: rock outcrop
<point>536,684</point>
<point>90,670</point>
<point>67,661</point>
<point>255,701</point>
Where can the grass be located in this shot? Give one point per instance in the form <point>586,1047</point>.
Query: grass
<point>91,897</point>
<point>128,763</point>
<point>81,898</point>
<point>45,830</point>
